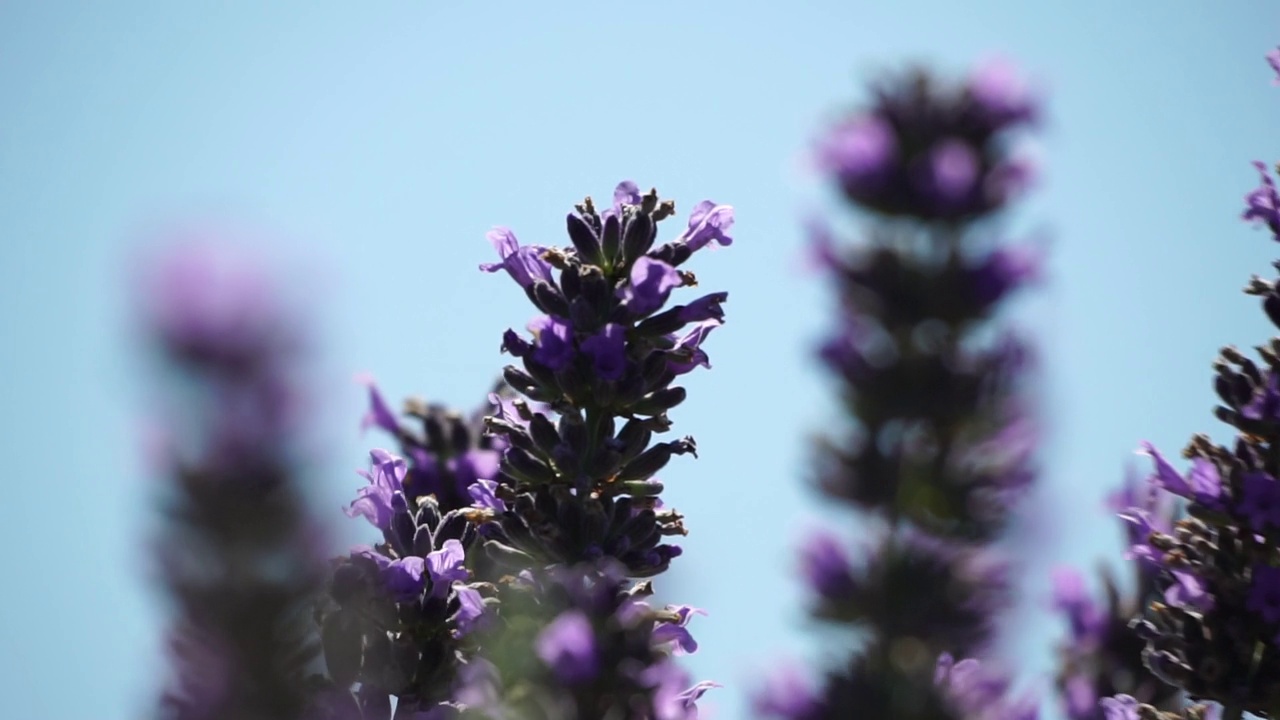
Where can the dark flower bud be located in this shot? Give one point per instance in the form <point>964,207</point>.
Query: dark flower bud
<point>611,237</point>
<point>659,402</point>
<point>655,458</point>
<point>638,237</point>
<point>549,299</point>
<point>523,383</point>
<point>634,438</point>
<point>527,467</point>
<point>544,434</point>
<point>584,240</point>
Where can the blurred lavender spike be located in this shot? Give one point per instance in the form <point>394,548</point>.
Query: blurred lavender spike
<point>238,553</point>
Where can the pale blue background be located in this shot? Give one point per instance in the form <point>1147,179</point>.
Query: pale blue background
<point>389,136</point>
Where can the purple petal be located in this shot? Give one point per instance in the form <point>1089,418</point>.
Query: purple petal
<point>568,647</point>
<point>445,567</point>
<point>709,223</point>
<point>608,351</point>
<point>651,282</point>
<point>379,414</point>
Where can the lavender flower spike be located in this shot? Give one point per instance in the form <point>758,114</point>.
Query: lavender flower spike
<point>940,442</point>
<point>238,552</point>
<point>1215,632</point>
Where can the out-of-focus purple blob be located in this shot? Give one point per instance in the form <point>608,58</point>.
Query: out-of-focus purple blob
<point>208,298</point>
<point>1071,597</point>
<point>826,566</point>
<point>608,351</point>
<point>524,264</point>
<point>952,171</point>
<point>788,694</point>
<point>650,285</point>
<point>1001,94</point>
<point>1273,59</point>
<point>1120,707</point>
<point>568,647</point>
<point>860,152</point>
<point>474,465</point>
<point>1002,271</point>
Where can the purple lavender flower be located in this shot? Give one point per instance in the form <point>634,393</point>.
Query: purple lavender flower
<point>1215,635</point>
<point>601,355</point>
<point>1273,59</point>
<point>1263,204</point>
<point>378,502</point>
<point>651,284</point>
<point>525,264</point>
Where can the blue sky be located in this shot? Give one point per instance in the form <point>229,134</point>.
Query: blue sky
<point>383,140</point>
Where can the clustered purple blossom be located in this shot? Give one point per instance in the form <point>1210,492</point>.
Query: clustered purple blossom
<point>1212,628</point>
<point>574,511</point>
<point>942,438</point>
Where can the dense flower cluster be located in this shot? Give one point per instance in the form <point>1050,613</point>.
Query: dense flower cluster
<point>575,492</point>
<point>942,440</point>
<point>238,554</point>
<point>1214,631</point>
<point>512,573</point>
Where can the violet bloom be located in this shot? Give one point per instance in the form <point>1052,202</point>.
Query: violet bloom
<point>675,632</point>
<point>1273,59</point>
<point>1263,204</point>
<point>708,223</point>
<point>651,284</point>
<point>554,345</point>
<point>378,501</point>
<point>524,264</point>
<point>568,647</point>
